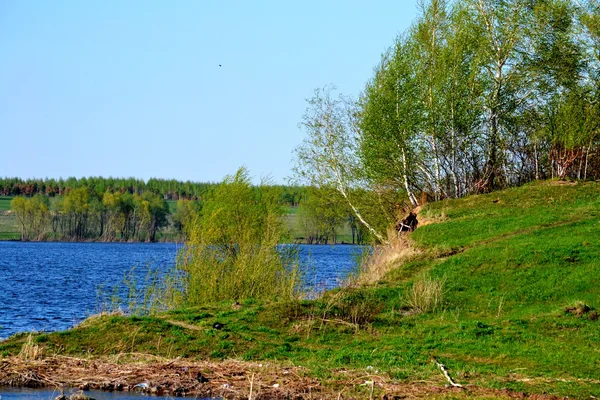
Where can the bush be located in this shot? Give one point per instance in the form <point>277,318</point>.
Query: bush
<point>232,251</point>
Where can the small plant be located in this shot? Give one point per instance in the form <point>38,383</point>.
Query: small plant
<point>359,307</point>
<point>426,295</point>
<point>351,307</point>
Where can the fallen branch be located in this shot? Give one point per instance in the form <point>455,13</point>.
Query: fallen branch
<point>446,374</point>
<point>251,385</point>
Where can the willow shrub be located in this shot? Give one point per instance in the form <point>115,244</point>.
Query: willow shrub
<point>233,248</point>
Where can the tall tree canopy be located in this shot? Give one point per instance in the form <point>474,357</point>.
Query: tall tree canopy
<point>477,95</point>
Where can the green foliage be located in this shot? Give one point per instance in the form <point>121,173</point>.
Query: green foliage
<point>321,215</point>
<point>32,215</point>
<point>232,248</point>
<point>327,157</point>
<point>481,95</point>
<point>128,211</point>
<point>185,213</point>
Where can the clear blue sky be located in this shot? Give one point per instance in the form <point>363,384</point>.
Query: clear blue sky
<point>134,88</point>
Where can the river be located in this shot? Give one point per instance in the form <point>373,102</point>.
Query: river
<point>50,286</point>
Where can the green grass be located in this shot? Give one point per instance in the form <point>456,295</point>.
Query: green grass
<point>511,267</point>
<point>5,202</point>
<point>8,226</point>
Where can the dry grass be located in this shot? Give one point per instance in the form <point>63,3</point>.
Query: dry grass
<point>385,258</point>
<point>426,295</point>
<point>30,350</point>
<point>428,217</point>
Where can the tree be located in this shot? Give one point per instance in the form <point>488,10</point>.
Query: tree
<point>501,26</point>
<point>390,121</point>
<point>328,155</point>
<point>185,213</point>
<point>19,206</point>
<point>321,214</point>
<point>33,216</point>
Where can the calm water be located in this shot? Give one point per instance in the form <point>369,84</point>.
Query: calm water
<point>53,286</point>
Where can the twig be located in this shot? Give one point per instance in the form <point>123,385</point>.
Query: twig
<point>251,384</point>
<point>446,374</point>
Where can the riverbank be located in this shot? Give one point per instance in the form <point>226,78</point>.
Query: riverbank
<point>502,292</point>
<point>228,379</point>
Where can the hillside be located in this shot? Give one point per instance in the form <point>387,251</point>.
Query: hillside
<point>521,290</point>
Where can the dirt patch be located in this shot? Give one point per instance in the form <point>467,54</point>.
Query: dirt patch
<point>581,310</point>
<point>185,325</point>
<point>227,379</point>
<point>562,182</point>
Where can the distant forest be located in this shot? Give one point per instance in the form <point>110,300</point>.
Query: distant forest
<point>168,189</point>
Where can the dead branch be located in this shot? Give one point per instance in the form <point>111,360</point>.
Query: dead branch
<point>446,373</point>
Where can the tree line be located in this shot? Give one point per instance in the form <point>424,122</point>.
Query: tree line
<point>79,215</point>
<point>477,95</point>
<point>132,211</point>
<point>169,189</point>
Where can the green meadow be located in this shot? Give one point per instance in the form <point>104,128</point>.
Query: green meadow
<point>5,202</point>
<point>520,290</point>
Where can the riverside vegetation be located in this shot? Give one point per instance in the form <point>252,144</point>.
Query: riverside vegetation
<point>500,287</point>
<point>107,209</point>
<point>477,107</point>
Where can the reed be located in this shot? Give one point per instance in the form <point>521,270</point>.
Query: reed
<point>426,295</point>
<point>384,258</point>
<point>30,350</point>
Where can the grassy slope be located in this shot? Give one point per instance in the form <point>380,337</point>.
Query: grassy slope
<point>511,267</point>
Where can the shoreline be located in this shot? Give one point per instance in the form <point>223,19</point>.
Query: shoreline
<point>166,241</point>
<point>232,379</point>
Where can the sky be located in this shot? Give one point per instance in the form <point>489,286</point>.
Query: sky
<point>187,90</point>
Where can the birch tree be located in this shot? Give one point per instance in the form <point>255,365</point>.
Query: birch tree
<point>327,156</point>
<point>505,78</point>
<point>391,116</point>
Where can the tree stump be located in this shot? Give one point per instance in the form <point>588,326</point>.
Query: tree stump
<point>408,224</point>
